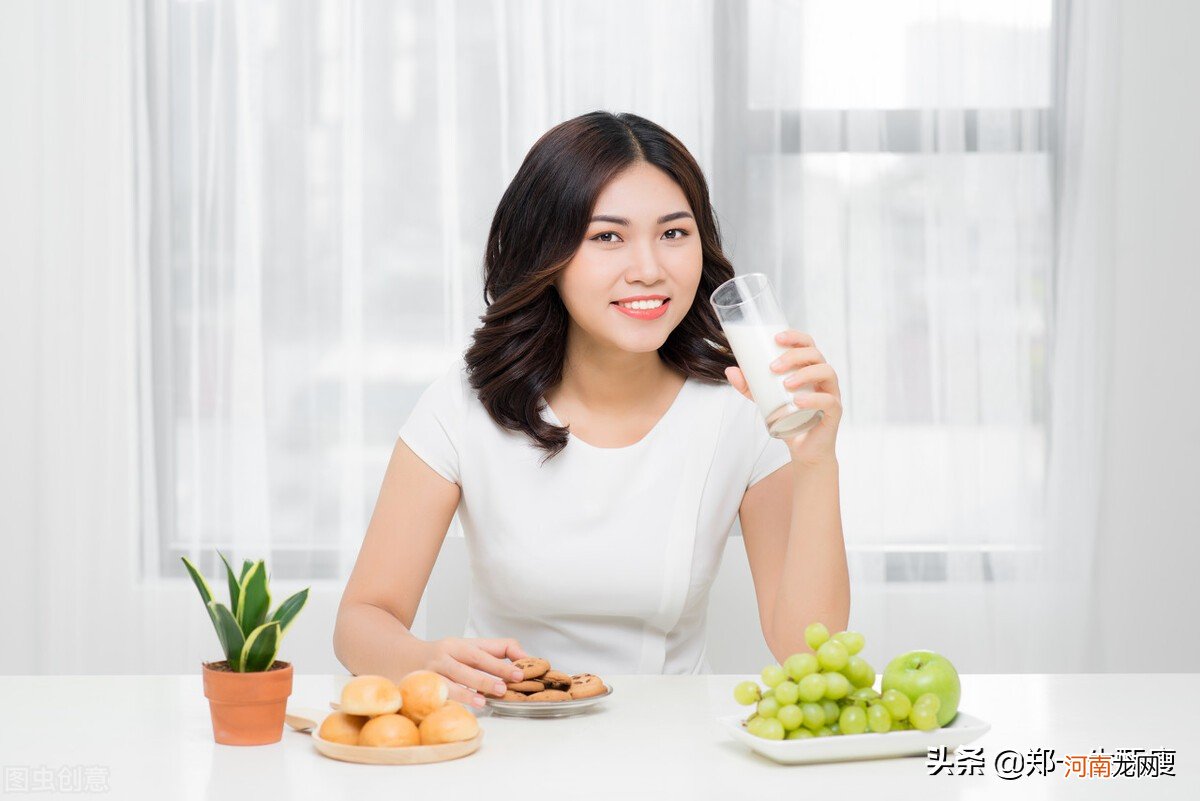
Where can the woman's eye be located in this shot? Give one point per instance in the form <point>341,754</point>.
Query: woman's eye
<point>609,237</point>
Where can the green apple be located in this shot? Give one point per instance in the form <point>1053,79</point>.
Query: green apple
<point>920,672</point>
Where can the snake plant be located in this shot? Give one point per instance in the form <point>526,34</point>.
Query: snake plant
<point>249,636</point>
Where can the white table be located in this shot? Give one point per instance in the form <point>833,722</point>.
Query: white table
<point>655,737</point>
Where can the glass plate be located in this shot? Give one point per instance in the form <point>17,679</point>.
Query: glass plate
<point>545,709</point>
<point>963,729</point>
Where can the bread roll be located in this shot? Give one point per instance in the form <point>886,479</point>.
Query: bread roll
<point>422,691</point>
<point>450,724</point>
<point>389,731</point>
<point>371,696</point>
<point>342,728</point>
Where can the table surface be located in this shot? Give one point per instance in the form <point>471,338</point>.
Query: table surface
<point>655,737</point>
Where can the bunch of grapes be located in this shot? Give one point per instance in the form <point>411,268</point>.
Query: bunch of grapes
<point>828,692</point>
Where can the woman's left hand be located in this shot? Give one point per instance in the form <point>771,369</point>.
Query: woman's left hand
<point>815,445</point>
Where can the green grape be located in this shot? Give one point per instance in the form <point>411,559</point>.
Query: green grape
<point>879,719</point>
<point>831,710</point>
<point>859,671</point>
<point>901,725</point>
<point>832,655</point>
<point>897,704</point>
<point>835,728</point>
<point>923,717</point>
<point>787,692</point>
<point>853,641</point>
<point>747,693</point>
<point>772,729</point>
<point>814,715</point>
<point>824,731</point>
<point>863,695</point>
<point>837,686</point>
<point>768,693</point>
<point>815,635</point>
<point>790,716</point>
<point>812,687</point>
<point>853,720</point>
<point>755,725</point>
<point>772,675</point>
<point>800,665</point>
<point>800,734</point>
<point>768,707</point>
<point>929,699</point>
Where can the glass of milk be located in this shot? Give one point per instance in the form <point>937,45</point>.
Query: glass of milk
<point>751,317</point>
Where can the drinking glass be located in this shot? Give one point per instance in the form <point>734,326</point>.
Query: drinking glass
<point>751,316</point>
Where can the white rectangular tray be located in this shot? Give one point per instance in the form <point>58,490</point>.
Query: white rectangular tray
<point>845,747</point>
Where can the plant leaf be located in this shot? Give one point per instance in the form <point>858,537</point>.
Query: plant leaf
<point>233,585</point>
<point>254,598</point>
<point>261,647</point>
<point>232,639</point>
<point>246,565</point>
<point>199,580</point>
<point>288,610</point>
<point>205,593</point>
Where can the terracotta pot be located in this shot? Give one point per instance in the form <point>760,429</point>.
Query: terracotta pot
<point>247,708</point>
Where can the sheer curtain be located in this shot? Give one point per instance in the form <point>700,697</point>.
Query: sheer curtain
<point>902,173</point>
<point>316,184</point>
<point>70,601</point>
<point>318,180</point>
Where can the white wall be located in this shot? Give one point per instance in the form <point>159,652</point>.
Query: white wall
<point>1149,550</point>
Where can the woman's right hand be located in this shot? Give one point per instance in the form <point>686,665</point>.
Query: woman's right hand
<point>475,666</point>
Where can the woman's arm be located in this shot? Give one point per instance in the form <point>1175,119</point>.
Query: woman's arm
<point>406,532</point>
<point>792,519</point>
<point>792,530</point>
<point>407,528</point>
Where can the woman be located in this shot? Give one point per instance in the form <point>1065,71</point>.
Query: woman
<point>590,445</point>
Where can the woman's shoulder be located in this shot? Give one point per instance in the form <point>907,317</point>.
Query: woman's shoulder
<point>742,427</point>
<point>444,400</point>
<point>452,384</point>
<point>736,408</point>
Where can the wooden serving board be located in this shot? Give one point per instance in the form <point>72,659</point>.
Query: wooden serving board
<point>302,720</point>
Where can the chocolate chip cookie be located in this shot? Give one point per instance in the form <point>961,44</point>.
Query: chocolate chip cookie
<point>527,686</point>
<point>533,667</point>
<point>556,680</point>
<point>586,685</point>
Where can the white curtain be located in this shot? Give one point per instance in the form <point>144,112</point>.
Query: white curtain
<point>901,172</point>
<point>71,600</point>
<point>317,183</point>
<point>1084,318</point>
<point>312,185</point>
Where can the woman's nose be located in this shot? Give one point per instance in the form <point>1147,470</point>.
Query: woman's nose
<point>644,266</point>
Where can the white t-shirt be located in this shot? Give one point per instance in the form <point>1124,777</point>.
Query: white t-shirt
<point>601,559</point>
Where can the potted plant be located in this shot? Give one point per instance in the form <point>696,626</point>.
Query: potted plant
<point>247,691</point>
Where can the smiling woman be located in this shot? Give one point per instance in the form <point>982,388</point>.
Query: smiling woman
<point>596,547</point>
<point>606,213</point>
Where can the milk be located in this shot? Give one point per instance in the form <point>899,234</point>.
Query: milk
<point>755,348</point>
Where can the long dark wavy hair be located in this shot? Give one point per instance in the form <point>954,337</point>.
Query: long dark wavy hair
<point>517,354</point>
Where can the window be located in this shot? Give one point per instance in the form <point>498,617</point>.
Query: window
<point>898,189</point>
<point>322,176</point>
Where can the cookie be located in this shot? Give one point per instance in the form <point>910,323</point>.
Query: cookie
<point>585,685</point>
<point>527,686</point>
<point>532,666</point>
<point>556,680</point>
<point>513,695</point>
<point>550,695</point>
